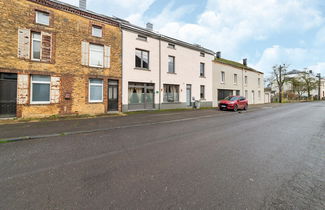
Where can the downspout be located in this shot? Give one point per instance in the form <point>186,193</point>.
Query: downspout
<point>242,83</point>
<point>159,90</point>
<point>120,26</point>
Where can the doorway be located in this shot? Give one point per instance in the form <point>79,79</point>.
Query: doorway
<point>112,95</point>
<point>188,95</point>
<point>8,94</point>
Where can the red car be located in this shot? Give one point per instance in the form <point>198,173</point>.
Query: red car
<point>233,103</point>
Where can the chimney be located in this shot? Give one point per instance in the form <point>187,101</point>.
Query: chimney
<point>83,4</point>
<point>218,54</point>
<point>245,61</point>
<point>149,26</point>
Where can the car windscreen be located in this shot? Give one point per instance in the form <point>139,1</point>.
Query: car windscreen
<point>231,98</point>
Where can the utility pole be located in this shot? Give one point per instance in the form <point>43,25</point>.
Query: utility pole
<point>319,83</point>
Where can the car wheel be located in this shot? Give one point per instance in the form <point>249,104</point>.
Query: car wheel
<point>235,108</point>
<point>246,107</point>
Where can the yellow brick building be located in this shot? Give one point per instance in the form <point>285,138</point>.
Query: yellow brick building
<point>57,59</point>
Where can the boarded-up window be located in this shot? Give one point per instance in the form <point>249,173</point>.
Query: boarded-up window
<point>88,58</point>
<point>24,43</point>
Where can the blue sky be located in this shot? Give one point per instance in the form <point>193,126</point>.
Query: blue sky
<point>267,32</point>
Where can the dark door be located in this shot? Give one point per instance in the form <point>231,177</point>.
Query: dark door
<point>188,95</point>
<point>112,95</point>
<point>8,94</point>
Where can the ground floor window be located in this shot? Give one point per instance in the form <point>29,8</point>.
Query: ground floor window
<point>40,89</point>
<point>141,95</point>
<point>171,93</point>
<point>95,90</point>
<point>222,93</point>
<point>202,92</point>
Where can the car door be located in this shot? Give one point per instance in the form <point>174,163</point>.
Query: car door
<point>242,102</point>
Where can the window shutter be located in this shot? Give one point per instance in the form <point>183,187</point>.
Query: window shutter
<point>46,47</point>
<point>55,90</point>
<point>24,43</point>
<point>107,56</point>
<point>84,53</point>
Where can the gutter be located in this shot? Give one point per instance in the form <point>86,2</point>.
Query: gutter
<point>159,73</point>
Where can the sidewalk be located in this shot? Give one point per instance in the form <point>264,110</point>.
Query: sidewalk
<point>68,127</point>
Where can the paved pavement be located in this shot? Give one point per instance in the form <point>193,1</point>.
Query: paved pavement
<point>267,158</point>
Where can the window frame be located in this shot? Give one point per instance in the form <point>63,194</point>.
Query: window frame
<point>202,54</point>
<point>259,82</point>
<point>174,70</point>
<point>37,18</point>
<point>223,77</point>
<point>235,79</point>
<point>142,38</point>
<point>177,87</point>
<point>246,80</point>
<point>32,46</point>
<point>171,46</point>
<point>202,87</point>
<point>141,50</point>
<point>202,74</point>
<point>97,27</point>
<point>89,87</point>
<point>89,56</point>
<point>39,82</point>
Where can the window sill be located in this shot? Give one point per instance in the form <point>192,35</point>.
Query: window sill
<point>40,103</point>
<point>203,77</point>
<point>171,73</point>
<point>95,102</point>
<point>96,67</point>
<point>142,69</point>
<point>173,48</point>
<point>171,102</point>
<point>141,40</point>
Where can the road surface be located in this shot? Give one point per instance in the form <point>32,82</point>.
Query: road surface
<point>271,158</point>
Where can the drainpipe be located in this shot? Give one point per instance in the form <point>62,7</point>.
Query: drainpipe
<point>121,97</point>
<point>242,83</point>
<point>159,72</point>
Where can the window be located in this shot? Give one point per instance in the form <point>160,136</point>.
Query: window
<point>36,46</point>
<point>40,89</point>
<point>235,79</point>
<point>142,38</point>
<point>95,90</point>
<point>96,55</point>
<point>223,77</point>
<point>259,82</point>
<point>246,93</point>
<point>202,92</point>
<point>171,93</point>
<point>202,54</point>
<point>171,64</point>
<point>170,45</point>
<point>42,18</point>
<point>97,31</point>
<point>246,80</point>
<point>141,59</point>
<point>259,94</point>
<point>202,69</point>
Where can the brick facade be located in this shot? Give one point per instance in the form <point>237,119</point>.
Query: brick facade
<point>68,28</point>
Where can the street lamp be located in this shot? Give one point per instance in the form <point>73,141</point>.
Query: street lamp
<point>319,77</point>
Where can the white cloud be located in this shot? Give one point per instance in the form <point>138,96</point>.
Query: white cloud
<point>318,68</point>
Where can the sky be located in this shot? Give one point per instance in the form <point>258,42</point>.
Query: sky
<point>267,32</point>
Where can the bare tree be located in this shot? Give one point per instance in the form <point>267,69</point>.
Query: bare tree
<point>298,86</point>
<point>279,73</point>
<point>309,81</point>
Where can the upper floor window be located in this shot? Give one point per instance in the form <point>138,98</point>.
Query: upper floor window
<point>202,54</point>
<point>235,79</point>
<point>36,46</point>
<point>97,31</point>
<point>223,77</point>
<point>202,69</point>
<point>170,45</point>
<point>42,18</point>
<point>96,55</point>
<point>142,38</point>
<point>259,82</point>
<point>141,59</point>
<point>171,64</point>
<point>246,80</point>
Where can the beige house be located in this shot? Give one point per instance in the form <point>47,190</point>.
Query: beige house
<point>233,78</point>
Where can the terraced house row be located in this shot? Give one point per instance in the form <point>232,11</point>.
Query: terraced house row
<point>59,59</point>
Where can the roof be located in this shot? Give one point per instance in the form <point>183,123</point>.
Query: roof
<point>128,26</point>
<point>77,10</point>
<point>235,64</point>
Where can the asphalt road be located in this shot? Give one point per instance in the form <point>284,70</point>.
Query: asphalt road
<point>271,158</point>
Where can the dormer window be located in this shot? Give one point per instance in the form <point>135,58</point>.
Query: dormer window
<point>202,54</point>
<point>170,45</point>
<point>97,31</point>
<point>42,18</point>
<point>142,38</point>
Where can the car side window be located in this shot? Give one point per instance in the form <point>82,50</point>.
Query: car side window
<point>242,98</point>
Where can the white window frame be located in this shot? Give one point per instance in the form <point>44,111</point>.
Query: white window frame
<point>202,86</point>
<point>32,47</point>
<point>90,44</point>
<point>97,27</point>
<point>223,77</point>
<point>235,79</point>
<point>101,85</point>
<point>37,18</point>
<point>173,59</point>
<point>246,80</point>
<point>203,72</point>
<point>39,82</point>
<point>259,82</point>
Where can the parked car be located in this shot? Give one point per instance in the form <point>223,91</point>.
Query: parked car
<point>233,103</point>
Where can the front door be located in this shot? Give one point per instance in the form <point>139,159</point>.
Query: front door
<point>112,95</point>
<point>188,95</point>
<point>8,94</point>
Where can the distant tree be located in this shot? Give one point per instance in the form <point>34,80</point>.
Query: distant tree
<point>280,75</point>
<point>309,80</point>
<point>298,86</point>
